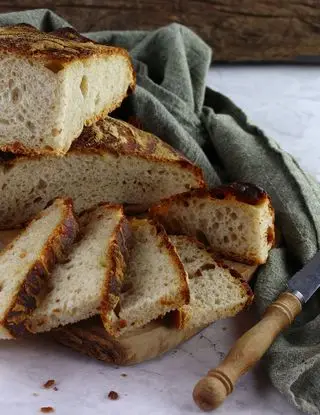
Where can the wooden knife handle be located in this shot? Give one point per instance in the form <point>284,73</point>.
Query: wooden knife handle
<point>211,390</point>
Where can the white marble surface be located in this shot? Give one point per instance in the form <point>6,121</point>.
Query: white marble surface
<point>285,102</point>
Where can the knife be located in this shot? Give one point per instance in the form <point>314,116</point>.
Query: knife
<point>211,390</point>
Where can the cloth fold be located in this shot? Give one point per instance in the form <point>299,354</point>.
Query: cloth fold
<point>173,102</point>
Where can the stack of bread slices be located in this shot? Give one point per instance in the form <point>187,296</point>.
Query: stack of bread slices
<point>69,175</point>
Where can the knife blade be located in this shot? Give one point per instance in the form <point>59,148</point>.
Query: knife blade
<point>306,281</point>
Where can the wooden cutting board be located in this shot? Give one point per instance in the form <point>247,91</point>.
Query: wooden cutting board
<point>90,338</point>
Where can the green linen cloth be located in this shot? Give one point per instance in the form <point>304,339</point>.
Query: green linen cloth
<point>173,102</point>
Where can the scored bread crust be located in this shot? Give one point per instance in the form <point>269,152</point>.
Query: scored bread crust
<point>242,192</point>
<point>113,291</point>
<point>118,253</point>
<point>119,138</point>
<point>36,281</point>
<point>179,318</point>
<point>55,50</point>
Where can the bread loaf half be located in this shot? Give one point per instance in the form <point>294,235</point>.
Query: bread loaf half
<point>155,281</point>
<point>111,161</point>
<point>216,291</point>
<point>236,220</point>
<point>85,284</point>
<point>26,263</point>
<point>52,84</point>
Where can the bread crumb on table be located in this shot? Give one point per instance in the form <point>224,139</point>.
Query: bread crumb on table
<point>124,375</point>
<point>49,383</point>
<point>113,395</point>
<point>47,409</point>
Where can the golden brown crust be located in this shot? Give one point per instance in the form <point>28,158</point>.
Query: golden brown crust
<point>247,193</point>
<point>54,48</point>
<point>89,337</point>
<point>35,283</point>
<point>116,281</point>
<point>242,192</point>
<point>112,136</point>
<point>118,253</point>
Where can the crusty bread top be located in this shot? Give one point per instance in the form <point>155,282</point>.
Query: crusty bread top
<point>248,193</point>
<point>59,47</point>
<point>242,192</point>
<point>111,135</point>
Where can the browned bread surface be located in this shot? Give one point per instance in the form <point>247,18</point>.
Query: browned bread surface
<point>35,282</point>
<point>111,161</point>
<point>223,217</point>
<point>61,46</point>
<point>155,281</point>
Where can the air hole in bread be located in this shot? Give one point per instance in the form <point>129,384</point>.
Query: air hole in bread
<point>20,117</point>
<point>234,216</point>
<point>220,195</point>
<point>228,210</point>
<point>55,132</point>
<point>42,184</point>
<point>97,100</point>
<point>240,227</point>
<point>219,215</point>
<point>270,235</point>
<point>201,237</point>
<point>233,237</point>
<point>4,186</point>
<point>84,86</point>
<point>226,239</point>
<point>37,200</point>
<point>3,121</point>
<point>54,67</point>
<point>31,126</point>
<point>11,83</point>
<point>16,95</point>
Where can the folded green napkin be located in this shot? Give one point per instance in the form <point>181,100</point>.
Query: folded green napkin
<point>172,101</point>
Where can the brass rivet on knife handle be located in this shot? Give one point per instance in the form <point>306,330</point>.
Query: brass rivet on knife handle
<point>211,390</point>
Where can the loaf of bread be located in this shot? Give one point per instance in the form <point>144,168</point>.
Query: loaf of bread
<point>26,263</point>
<point>111,161</point>
<point>52,84</point>
<point>83,286</point>
<point>155,281</point>
<point>216,291</point>
<point>236,220</point>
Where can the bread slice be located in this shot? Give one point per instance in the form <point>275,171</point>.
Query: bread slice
<point>27,261</point>
<point>155,283</point>
<point>52,84</point>
<point>216,291</point>
<point>111,161</point>
<point>84,285</point>
<point>236,220</point>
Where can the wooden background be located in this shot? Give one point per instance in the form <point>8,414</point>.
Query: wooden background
<point>238,30</point>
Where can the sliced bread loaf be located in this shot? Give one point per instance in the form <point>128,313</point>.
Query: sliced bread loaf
<point>237,220</point>
<point>155,282</point>
<point>27,261</point>
<point>85,284</point>
<point>111,161</point>
<point>216,291</point>
<point>52,84</point>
